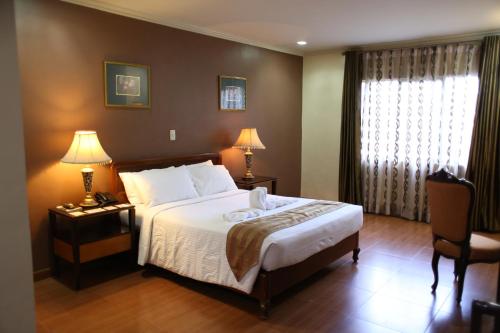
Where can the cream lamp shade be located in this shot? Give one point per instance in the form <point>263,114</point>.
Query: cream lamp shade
<point>249,139</point>
<point>86,149</point>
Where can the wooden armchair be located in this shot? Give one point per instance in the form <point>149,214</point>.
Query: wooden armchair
<point>451,201</point>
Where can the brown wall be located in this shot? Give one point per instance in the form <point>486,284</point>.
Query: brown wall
<point>61,50</point>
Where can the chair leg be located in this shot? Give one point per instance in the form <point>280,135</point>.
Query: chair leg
<point>455,270</point>
<point>498,285</point>
<point>461,279</point>
<point>355,254</point>
<point>435,262</point>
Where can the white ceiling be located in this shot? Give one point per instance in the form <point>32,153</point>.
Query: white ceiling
<point>325,24</point>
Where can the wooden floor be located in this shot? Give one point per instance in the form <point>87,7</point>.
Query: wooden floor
<point>387,291</point>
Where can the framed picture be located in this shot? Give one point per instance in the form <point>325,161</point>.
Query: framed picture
<point>232,93</point>
<point>127,85</point>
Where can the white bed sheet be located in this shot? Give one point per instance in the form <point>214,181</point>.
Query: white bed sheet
<point>139,212</point>
<point>189,237</point>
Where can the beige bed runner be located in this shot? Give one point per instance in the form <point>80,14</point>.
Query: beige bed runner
<point>244,240</point>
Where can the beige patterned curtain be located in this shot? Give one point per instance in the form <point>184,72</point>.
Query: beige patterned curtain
<point>417,112</point>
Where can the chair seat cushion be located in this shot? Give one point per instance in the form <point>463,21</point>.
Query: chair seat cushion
<point>483,246</point>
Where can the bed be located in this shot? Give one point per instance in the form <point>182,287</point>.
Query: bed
<point>291,254</point>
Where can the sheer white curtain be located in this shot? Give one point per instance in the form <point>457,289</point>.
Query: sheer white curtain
<point>417,112</point>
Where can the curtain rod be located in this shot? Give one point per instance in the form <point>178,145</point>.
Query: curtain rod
<point>466,38</point>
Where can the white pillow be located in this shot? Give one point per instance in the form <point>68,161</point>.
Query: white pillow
<point>208,162</point>
<point>212,179</point>
<point>128,180</point>
<point>165,185</point>
<point>133,194</point>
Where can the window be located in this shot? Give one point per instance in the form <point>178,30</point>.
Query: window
<point>417,113</point>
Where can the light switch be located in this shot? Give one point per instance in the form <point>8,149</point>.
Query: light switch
<point>172,135</point>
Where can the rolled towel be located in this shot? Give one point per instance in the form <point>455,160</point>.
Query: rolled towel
<point>242,214</point>
<point>258,198</point>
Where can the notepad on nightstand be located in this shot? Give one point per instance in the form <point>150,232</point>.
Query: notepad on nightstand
<point>95,210</point>
<point>76,214</point>
<point>125,205</point>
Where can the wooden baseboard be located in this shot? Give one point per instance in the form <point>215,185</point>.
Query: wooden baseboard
<point>41,274</point>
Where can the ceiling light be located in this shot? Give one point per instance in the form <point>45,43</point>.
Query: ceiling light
<point>302,42</point>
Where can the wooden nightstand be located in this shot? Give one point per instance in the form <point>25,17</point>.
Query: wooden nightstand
<point>250,184</point>
<point>82,238</point>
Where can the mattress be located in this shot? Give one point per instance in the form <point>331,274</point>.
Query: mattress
<point>189,237</point>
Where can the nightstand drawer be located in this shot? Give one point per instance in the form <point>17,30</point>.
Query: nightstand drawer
<point>94,250</point>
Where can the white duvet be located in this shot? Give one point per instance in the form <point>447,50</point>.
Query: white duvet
<point>188,237</point>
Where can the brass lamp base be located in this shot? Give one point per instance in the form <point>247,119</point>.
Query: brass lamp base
<point>89,200</point>
<point>248,161</point>
<point>248,176</point>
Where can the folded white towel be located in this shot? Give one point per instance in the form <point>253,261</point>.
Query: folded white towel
<point>258,204</point>
<point>275,203</point>
<point>259,200</point>
<point>242,214</point>
<point>270,204</point>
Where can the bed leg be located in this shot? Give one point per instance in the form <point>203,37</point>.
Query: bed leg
<point>355,254</point>
<point>264,308</point>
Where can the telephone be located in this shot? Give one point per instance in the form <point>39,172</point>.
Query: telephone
<point>105,198</point>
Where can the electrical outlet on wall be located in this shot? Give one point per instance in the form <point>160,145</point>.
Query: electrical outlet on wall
<point>172,135</point>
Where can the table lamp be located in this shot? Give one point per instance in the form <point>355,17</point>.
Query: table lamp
<point>86,149</point>
<point>248,140</point>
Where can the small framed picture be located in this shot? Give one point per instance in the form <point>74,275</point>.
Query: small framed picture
<point>127,85</point>
<point>232,93</point>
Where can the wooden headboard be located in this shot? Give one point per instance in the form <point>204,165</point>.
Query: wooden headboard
<point>164,162</point>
